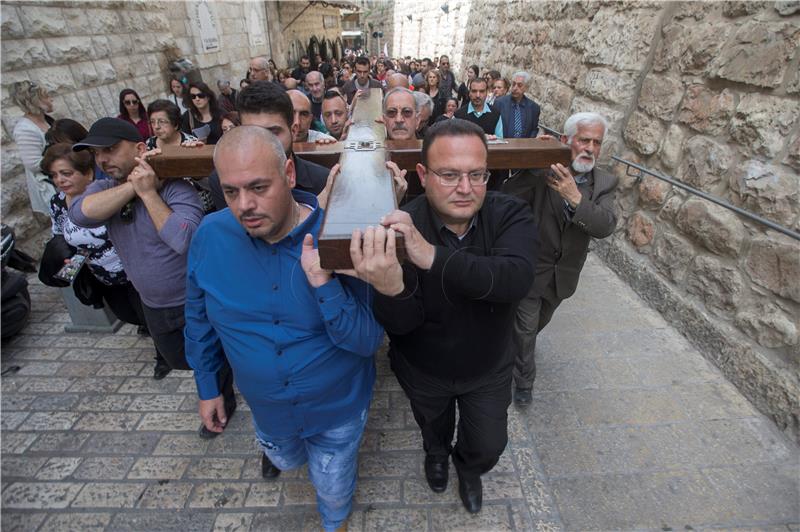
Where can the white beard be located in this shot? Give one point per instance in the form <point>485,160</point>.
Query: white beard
<point>582,167</point>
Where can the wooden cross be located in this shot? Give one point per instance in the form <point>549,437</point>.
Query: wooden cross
<point>363,191</point>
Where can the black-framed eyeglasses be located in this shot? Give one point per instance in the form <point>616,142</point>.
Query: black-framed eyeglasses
<point>451,178</point>
<point>198,96</point>
<point>406,112</point>
<point>130,102</point>
<point>127,213</point>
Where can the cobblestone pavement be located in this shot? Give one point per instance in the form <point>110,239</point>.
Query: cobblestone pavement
<point>630,428</point>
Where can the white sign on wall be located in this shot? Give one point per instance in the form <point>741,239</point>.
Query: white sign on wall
<point>255,28</point>
<point>204,22</point>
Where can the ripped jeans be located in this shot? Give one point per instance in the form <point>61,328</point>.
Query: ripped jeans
<point>332,458</point>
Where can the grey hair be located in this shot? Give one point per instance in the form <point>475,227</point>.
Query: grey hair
<point>28,96</point>
<point>423,100</point>
<point>526,78</point>
<point>404,91</point>
<point>222,82</point>
<point>583,119</point>
<point>245,137</point>
<point>262,62</point>
<point>315,73</point>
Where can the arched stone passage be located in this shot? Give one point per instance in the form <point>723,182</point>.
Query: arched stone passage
<point>313,47</point>
<point>338,48</point>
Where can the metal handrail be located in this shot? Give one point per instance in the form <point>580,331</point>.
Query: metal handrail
<point>674,182</point>
<point>713,199</point>
<point>551,131</point>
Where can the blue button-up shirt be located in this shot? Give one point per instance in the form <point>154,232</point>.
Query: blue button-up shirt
<point>498,129</point>
<point>302,356</point>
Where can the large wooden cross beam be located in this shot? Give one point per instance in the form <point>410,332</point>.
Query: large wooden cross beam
<point>509,153</point>
<point>363,190</point>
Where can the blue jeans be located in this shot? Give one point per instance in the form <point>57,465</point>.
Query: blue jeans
<point>332,458</point>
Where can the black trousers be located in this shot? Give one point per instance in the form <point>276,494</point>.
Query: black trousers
<point>482,405</point>
<point>123,301</point>
<point>166,330</point>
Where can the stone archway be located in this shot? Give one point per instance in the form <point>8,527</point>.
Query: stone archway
<point>338,48</point>
<point>325,50</point>
<point>313,47</point>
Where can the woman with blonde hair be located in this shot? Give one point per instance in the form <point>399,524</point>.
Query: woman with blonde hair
<point>35,102</point>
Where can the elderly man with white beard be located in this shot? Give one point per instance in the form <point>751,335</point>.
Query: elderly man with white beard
<point>570,206</point>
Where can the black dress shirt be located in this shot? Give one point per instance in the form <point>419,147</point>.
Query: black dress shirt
<point>454,320</point>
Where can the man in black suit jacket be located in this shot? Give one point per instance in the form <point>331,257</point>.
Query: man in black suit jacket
<point>516,102</point>
<point>570,206</point>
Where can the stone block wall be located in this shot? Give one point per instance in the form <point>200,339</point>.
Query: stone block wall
<point>707,92</point>
<point>86,52</point>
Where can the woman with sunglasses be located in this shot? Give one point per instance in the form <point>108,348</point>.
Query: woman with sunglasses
<point>132,110</point>
<point>203,117</point>
<point>29,131</point>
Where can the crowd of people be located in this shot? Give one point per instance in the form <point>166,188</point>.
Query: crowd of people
<point>209,268</point>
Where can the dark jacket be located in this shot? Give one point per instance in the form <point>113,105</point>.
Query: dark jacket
<point>310,177</point>
<point>487,121</point>
<point>530,116</point>
<point>564,244</point>
<point>454,320</point>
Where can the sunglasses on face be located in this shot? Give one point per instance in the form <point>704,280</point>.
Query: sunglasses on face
<point>131,102</point>
<point>406,112</point>
<point>198,96</point>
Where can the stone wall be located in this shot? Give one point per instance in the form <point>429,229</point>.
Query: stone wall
<point>86,52</point>
<point>708,92</point>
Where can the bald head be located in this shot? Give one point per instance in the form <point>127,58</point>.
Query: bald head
<point>249,139</point>
<point>290,83</point>
<point>396,80</point>
<point>302,115</point>
<point>315,84</point>
<point>257,181</point>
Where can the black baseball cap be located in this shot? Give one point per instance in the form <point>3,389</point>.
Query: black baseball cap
<point>107,132</point>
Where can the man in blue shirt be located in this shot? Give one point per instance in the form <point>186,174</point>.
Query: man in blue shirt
<point>300,339</point>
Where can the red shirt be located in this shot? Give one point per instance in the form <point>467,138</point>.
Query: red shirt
<point>142,125</point>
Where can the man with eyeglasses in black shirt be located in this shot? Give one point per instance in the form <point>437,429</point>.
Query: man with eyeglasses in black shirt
<point>471,257</point>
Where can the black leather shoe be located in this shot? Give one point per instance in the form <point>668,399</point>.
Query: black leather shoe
<point>268,469</point>
<point>471,492</point>
<point>206,434</point>
<point>523,397</point>
<point>436,471</point>
<point>161,369</point>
